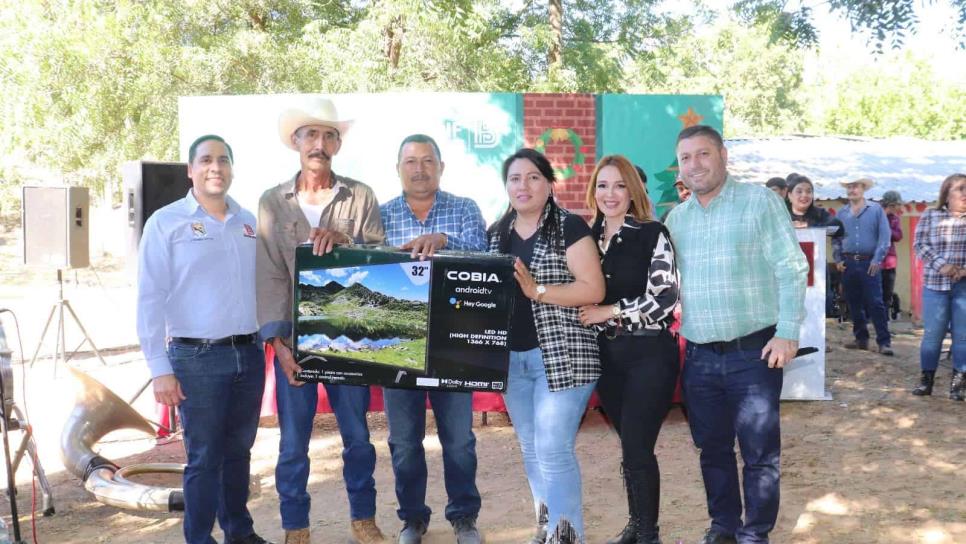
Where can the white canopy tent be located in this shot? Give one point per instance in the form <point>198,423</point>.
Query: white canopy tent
<point>914,167</point>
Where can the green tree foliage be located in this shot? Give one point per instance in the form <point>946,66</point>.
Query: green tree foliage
<point>88,84</point>
<point>901,96</point>
<point>761,81</point>
<point>886,22</point>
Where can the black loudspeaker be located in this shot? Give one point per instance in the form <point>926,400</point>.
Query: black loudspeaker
<point>56,230</point>
<point>148,187</point>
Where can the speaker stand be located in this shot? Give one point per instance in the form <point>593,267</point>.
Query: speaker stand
<point>61,348</point>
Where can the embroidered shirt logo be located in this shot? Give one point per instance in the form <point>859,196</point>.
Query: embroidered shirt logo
<point>249,231</point>
<point>198,229</point>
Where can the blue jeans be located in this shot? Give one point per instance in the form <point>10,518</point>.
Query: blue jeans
<point>406,415</point>
<point>940,308</point>
<point>223,388</point>
<point>546,425</point>
<point>296,410</point>
<point>728,395</point>
<point>864,295</point>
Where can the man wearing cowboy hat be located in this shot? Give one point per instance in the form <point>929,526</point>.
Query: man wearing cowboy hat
<point>859,255</point>
<point>320,206</point>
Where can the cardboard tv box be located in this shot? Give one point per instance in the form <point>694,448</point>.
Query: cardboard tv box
<point>367,315</point>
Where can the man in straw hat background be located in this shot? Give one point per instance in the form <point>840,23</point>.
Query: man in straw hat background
<point>859,255</point>
<point>320,206</point>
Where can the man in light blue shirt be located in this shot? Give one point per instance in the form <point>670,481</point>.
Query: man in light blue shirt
<point>859,255</point>
<point>196,323</point>
<point>423,220</point>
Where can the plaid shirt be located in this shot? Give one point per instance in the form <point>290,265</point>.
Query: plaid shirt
<point>457,217</point>
<point>741,266</point>
<point>940,240</point>
<point>570,355</point>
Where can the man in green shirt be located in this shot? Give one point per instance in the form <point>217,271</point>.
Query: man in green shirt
<point>743,279</point>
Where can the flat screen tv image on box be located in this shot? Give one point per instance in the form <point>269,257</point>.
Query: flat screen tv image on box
<point>371,315</point>
<point>368,315</point>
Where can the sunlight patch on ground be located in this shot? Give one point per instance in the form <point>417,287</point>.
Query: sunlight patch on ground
<point>905,422</point>
<point>931,532</point>
<point>942,465</point>
<point>831,504</point>
<point>804,523</point>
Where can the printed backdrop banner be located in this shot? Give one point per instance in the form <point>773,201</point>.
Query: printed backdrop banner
<point>644,128</point>
<point>475,132</point>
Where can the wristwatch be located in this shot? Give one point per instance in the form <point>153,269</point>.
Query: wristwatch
<point>616,309</point>
<point>541,290</point>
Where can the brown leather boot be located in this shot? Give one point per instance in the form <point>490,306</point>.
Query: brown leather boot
<point>298,536</point>
<point>365,531</point>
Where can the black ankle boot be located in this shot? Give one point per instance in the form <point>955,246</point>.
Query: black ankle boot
<point>644,492</point>
<point>925,383</point>
<point>957,386</point>
<point>628,534</point>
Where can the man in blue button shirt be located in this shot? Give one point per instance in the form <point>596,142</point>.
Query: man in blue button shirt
<point>858,255</point>
<point>423,220</point>
<point>196,287</point>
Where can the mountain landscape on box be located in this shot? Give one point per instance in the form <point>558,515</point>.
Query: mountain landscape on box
<point>358,323</point>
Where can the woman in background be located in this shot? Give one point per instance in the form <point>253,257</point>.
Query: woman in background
<point>940,244</point>
<point>892,204</point>
<point>804,212</point>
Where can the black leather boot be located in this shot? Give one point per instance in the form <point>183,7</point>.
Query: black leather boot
<point>925,383</point>
<point>628,534</point>
<point>645,493</point>
<point>957,386</point>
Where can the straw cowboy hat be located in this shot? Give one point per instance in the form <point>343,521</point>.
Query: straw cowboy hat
<point>866,182</point>
<point>315,111</point>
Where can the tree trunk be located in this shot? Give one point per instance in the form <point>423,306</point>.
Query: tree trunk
<point>556,32</point>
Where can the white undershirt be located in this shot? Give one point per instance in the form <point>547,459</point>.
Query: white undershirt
<point>313,212</point>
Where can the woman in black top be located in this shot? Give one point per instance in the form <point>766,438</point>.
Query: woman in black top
<point>639,355</point>
<point>804,212</point>
<point>554,362</point>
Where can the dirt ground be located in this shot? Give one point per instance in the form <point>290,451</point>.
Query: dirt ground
<point>873,465</point>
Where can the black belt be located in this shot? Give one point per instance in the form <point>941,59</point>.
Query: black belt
<point>614,332</point>
<point>238,339</point>
<point>753,341</point>
<point>856,257</point>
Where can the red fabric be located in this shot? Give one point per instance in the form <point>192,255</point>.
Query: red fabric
<point>808,248</point>
<point>915,275</point>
